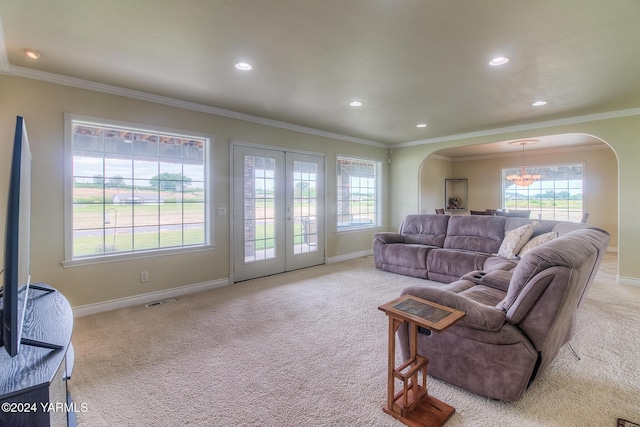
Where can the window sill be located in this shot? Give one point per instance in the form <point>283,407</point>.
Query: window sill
<point>357,229</point>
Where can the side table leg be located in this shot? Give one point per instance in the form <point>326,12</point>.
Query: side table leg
<point>391,365</point>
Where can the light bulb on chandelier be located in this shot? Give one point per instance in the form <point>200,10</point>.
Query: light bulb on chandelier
<point>524,179</point>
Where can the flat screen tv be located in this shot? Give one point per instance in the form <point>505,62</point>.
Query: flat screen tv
<point>17,250</point>
<point>17,241</point>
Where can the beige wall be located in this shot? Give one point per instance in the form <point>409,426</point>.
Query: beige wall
<point>433,172</point>
<point>484,178</point>
<point>622,134</point>
<point>43,106</point>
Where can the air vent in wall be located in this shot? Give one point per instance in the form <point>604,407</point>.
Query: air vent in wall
<point>164,301</point>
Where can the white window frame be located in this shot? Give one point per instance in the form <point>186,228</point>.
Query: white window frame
<point>69,260</point>
<point>536,212</point>
<point>378,194</point>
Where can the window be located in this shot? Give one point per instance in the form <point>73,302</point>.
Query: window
<point>358,183</point>
<point>557,195</point>
<point>133,190</point>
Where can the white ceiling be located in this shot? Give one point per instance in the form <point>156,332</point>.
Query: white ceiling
<point>408,61</point>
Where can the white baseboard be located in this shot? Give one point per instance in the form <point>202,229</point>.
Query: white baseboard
<point>346,257</point>
<point>85,310</point>
<point>629,281</point>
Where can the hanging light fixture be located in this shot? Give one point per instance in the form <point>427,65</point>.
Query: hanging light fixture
<point>524,179</point>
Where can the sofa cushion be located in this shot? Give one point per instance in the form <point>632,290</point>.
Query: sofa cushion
<point>425,229</point>
<point>484,294</point>
<point>515,239</point>
<point>477,233</point>
<point>447,265</point>
<point>413,256</point>
<point>537,241</point>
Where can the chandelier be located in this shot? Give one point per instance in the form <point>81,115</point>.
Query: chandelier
<point>524,179</point>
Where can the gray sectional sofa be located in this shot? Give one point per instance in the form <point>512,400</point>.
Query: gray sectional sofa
<point>520,306</point>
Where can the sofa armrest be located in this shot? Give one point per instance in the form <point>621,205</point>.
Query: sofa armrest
<point>478,316</point>
<point>389,237</point>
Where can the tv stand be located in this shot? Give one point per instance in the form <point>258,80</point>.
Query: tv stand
<point>36,343</point>
<point>41,344</point>
<point>33,385</point>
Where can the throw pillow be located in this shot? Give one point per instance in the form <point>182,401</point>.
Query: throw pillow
<point>537,241</point>
<point>515,239</point>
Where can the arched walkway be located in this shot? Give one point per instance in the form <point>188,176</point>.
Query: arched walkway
<point>481,165</point>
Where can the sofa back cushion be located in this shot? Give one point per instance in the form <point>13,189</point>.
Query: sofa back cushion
<point>476,233</point>
<point>544,225</point>
<point>425,229</point>
<point>567,227</point>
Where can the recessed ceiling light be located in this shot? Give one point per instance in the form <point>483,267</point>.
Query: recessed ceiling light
<point>33,54</point>
<point>500,60</point>
<point>243,66</point>
<point>355,103</point>
<point>539,103</point>
<point>421,125</point>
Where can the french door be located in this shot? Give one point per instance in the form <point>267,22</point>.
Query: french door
<point>278,211</point>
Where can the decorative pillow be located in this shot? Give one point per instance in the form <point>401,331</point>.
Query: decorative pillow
<point>537,241</point>
<point>515,239</point>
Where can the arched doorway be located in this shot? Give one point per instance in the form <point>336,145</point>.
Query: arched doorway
<point>481,165</point>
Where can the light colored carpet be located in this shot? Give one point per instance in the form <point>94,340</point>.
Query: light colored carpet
<point>308,348</point>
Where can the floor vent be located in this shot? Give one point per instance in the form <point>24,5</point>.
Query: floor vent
<point>164,301</point>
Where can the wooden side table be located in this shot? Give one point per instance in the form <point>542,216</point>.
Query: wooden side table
<point>413,405</point>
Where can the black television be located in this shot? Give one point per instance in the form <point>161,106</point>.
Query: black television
<point>17,248</point>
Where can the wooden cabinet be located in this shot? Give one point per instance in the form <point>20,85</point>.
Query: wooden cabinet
<point>456,195</point>
<point>33,385</point>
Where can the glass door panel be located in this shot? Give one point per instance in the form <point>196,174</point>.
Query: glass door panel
<point>278,213</point>
<point>305,210</point>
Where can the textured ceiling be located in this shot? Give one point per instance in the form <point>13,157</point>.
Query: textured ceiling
<point>408,62</point>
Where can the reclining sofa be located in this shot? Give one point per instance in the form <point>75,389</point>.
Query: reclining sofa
<point>519,281</point>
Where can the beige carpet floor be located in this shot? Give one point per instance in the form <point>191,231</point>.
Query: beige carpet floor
<point>308,348</point>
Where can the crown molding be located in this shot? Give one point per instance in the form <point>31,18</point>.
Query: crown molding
<point>7,68</point>
<point>524,127</point>
<point>173,102</point>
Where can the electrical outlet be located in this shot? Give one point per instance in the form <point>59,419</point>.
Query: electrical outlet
<point>144,276</point>
<point>222,211</point>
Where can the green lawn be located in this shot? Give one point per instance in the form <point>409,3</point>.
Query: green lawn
<point>119,232</point>
<point>122,233</point>
<point>123,241</point>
